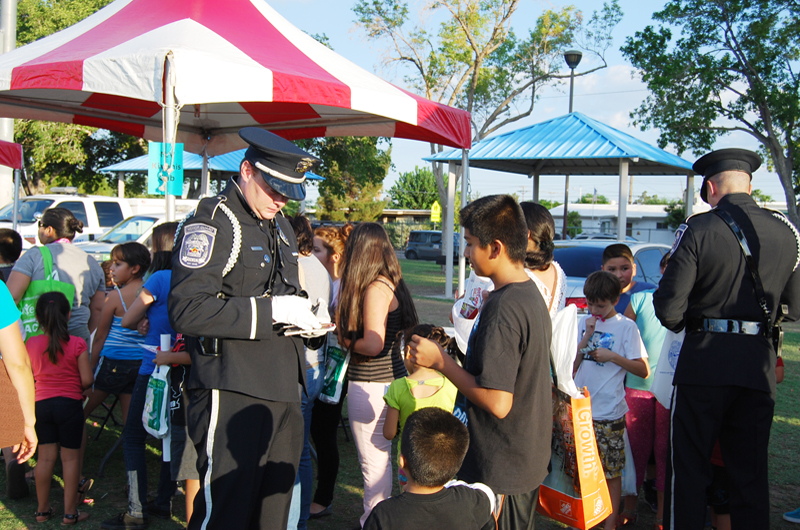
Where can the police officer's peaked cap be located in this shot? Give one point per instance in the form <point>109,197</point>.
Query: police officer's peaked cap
<point>282,164</point>
<point>716,162</point>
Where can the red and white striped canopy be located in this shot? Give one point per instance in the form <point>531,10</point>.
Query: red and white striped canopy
<point>237,63</point>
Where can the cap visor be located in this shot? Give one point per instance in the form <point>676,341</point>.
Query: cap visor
<point>295,192</point>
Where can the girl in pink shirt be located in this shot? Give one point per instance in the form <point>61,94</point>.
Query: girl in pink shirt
<point>62,372</point>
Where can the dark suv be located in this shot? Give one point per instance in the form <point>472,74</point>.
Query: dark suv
<point>427,244</point>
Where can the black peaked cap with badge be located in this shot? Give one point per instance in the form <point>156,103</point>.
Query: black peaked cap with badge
<point>716,162</point>
<point>282,164</point>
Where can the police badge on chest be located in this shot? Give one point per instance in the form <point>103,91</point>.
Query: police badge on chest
<point>198,243</point>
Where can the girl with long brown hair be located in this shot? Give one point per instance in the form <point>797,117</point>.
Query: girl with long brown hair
<point>374,304</point>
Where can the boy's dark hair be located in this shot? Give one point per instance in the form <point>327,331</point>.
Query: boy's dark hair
<point>497,218</point>
<point>434,444</point>
<point>10,245</point>
<point>52,313</point>
<point>617,250</point>
<point>133,254</point>
<point>602,285</point>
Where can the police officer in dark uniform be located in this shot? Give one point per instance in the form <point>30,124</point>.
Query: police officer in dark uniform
<point>234,276</point>
<point>725,377</point>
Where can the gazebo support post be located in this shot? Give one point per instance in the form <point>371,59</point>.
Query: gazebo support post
<point>566,204</point>
<point>462,261</point>
<point>536,188</point>
<point>688,201</point>
<point>120,186</point>
<point>447,232</point>
<point>622,217</point>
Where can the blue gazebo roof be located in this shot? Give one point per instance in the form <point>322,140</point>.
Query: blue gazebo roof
<point>573,144</point>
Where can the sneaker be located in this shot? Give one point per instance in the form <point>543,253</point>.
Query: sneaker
<point>125,522</point>
<point>792,517</point>
<point>162,513</point>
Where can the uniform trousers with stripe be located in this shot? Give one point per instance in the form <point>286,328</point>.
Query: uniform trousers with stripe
<point>741,419</point>
<point>248,451</point>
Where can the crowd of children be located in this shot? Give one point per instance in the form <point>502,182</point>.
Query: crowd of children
<point>485,421</point>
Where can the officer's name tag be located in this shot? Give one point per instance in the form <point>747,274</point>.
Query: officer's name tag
<point>198,243</point>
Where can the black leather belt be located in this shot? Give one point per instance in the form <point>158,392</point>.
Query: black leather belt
<point>721,325</point>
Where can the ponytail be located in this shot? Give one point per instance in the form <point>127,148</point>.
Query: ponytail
<point>52,313</point>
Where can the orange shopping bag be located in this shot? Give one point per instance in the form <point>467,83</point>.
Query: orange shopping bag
<point>575,492</point>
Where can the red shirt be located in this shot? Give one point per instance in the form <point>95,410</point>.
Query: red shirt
<point>56,380</point>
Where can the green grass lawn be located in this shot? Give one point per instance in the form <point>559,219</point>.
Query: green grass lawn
<point>110,497</point>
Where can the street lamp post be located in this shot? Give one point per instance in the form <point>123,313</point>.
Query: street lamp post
<point>573,58</point>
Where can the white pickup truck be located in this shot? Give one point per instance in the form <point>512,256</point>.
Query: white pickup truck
<point>98,214</point>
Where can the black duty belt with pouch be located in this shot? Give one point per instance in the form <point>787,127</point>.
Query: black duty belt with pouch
<point>769,330</point>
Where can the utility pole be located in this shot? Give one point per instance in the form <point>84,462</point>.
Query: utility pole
<point>8,27</point>
<point>573,58</point>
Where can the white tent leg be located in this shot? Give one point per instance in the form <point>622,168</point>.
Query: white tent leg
<point>447,232</point>
<point>622,218</point>
<point>688,201</point>
<point>16,200</point>
<point>169,126</point>
<point>204,184</point>
<point>462,262</point>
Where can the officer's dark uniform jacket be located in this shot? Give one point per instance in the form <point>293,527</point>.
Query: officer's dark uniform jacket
<point>202,303</point>
<point>707,277</point>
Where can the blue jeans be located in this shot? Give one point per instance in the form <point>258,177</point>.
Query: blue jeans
<point>133,447</point>
<point>304,483</point>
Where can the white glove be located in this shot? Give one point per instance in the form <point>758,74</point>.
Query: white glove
<point>324,319</point>
<point>294,310</point>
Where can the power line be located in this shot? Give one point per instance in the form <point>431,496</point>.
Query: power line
<point>595,94</point>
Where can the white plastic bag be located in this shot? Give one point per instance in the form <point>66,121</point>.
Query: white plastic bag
<point>661,387</point>
<point>465,310</point>
<point>155,415</point>
<point>564,347</point>
<point>629,471</point>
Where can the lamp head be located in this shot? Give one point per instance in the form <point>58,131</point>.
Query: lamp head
<point>573,58</point>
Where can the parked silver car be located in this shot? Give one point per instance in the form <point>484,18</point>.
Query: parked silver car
<point>581,258</point>
<point>135,228</point>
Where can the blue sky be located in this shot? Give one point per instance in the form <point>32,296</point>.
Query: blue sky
<point>608,95</point>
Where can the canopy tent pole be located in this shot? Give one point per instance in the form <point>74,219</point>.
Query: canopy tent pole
<point>622,222</point>
<point>204,183</point>
<point>15,216</point>
<point>169,127</point>
<point>462,262</point>
<point>688,201</point>
<point>447,233</point>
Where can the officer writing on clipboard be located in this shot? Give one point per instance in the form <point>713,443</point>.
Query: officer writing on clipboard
<point>234,279</point>
<point>725,377</point>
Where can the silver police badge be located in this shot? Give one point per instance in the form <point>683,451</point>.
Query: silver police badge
<point>198,243</point>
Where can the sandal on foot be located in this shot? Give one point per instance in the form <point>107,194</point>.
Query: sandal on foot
<point>83,488</point>
<point>627,517</point>
<point>44,515</point>
<point>74,518</point>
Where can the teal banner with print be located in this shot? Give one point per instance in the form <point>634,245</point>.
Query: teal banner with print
<point>166,167</point>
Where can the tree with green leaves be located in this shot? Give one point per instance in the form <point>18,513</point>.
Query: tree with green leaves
<point>414,190</point>
<point>589,198</point>
<point>733,68</point>
<point>550,204</point>
<point>474,60</point>
<point>61,153</point>
<point>676,214</point>
<point>574,224</point>
<point>645,198</point>
<point>354,168</point>
<point>760,196</point>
